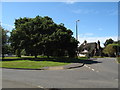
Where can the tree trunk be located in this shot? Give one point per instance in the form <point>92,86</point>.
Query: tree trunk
<point>35,55</point>
<point>3,53</point>
<point>109,55</point>
<point>18,53</point>
<point>3,56</point>
<point>48,56</point>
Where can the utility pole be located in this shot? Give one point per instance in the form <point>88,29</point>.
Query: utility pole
<point>77,34</point>
<point>77,30</point>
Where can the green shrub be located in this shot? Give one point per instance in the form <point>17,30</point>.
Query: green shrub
<point>118,59</point>
<point>98,57</point>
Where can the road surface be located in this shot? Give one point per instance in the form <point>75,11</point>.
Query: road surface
<point>98,75</point>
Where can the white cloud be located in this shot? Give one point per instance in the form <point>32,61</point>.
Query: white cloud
<point>118,37</point>
<point>7,26</point>
<point>100,29</point>
<point>58,0</point>
<point>85,11</point>
<point>86,34</point>
<point>89,34</point>
<point>77,11</point>
<point>70,1</point>
<point>112,12</point>
<point>95,39</point>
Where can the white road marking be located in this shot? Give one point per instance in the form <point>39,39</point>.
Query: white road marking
<point>91,68</point>
<point>40,86</point>
<point>86,66</point>
<point>117,61</point>
<point>97,71</point>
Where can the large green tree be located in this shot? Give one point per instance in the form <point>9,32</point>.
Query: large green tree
<point>5,38</point>
<point>111,49</point>
<point>40,35</point>
<point>108,41</point>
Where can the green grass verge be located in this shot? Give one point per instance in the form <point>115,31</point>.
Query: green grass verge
<point>18,57</point>
<point>30,64</point>
<point>118,59</point>
<point>22,57</point>
<point>98,57</point>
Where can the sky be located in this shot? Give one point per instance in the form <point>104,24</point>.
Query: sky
<point>98,20</point>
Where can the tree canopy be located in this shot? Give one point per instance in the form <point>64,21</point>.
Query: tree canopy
<point>108,41</point>
<point>112,49</point>
<point>5,38</point>
<point>41,35</point>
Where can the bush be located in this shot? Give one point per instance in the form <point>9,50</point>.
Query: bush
<point>98,57</point>
<point>110,50</point>
<point>118,58</point>
<point>23,52</point>
<point>18,53</point>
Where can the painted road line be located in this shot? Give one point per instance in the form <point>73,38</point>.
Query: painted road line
<point>117,61</point>
<point>86,66</point>
<point>116,79</point>
<point>97,71</point>
<point>40,86</point>
<point>91,68</point>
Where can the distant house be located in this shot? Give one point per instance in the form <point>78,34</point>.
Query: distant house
<point>90,49</point>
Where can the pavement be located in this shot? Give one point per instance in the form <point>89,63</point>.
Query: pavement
<point>69,66</point>
<point>102,74</point>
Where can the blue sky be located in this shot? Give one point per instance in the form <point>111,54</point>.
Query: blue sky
<point>98,20</point>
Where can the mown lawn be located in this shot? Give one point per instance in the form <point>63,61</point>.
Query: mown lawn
<point>30,64</point>
<point>118,58</point>
<point>19,57</point>
<point>24,57</point>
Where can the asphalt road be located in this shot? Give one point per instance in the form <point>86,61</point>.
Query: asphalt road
<point>103,74</point>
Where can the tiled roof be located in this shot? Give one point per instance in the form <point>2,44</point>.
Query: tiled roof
<point>89,46</point>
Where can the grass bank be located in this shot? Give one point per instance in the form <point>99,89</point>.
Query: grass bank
<point>32,63</point>
<point>118,58</point>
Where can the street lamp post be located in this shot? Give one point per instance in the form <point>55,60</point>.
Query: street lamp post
<point>77,30</point>
<point>77,34</point>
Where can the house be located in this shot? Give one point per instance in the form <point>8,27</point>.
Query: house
<point>90,49</point>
